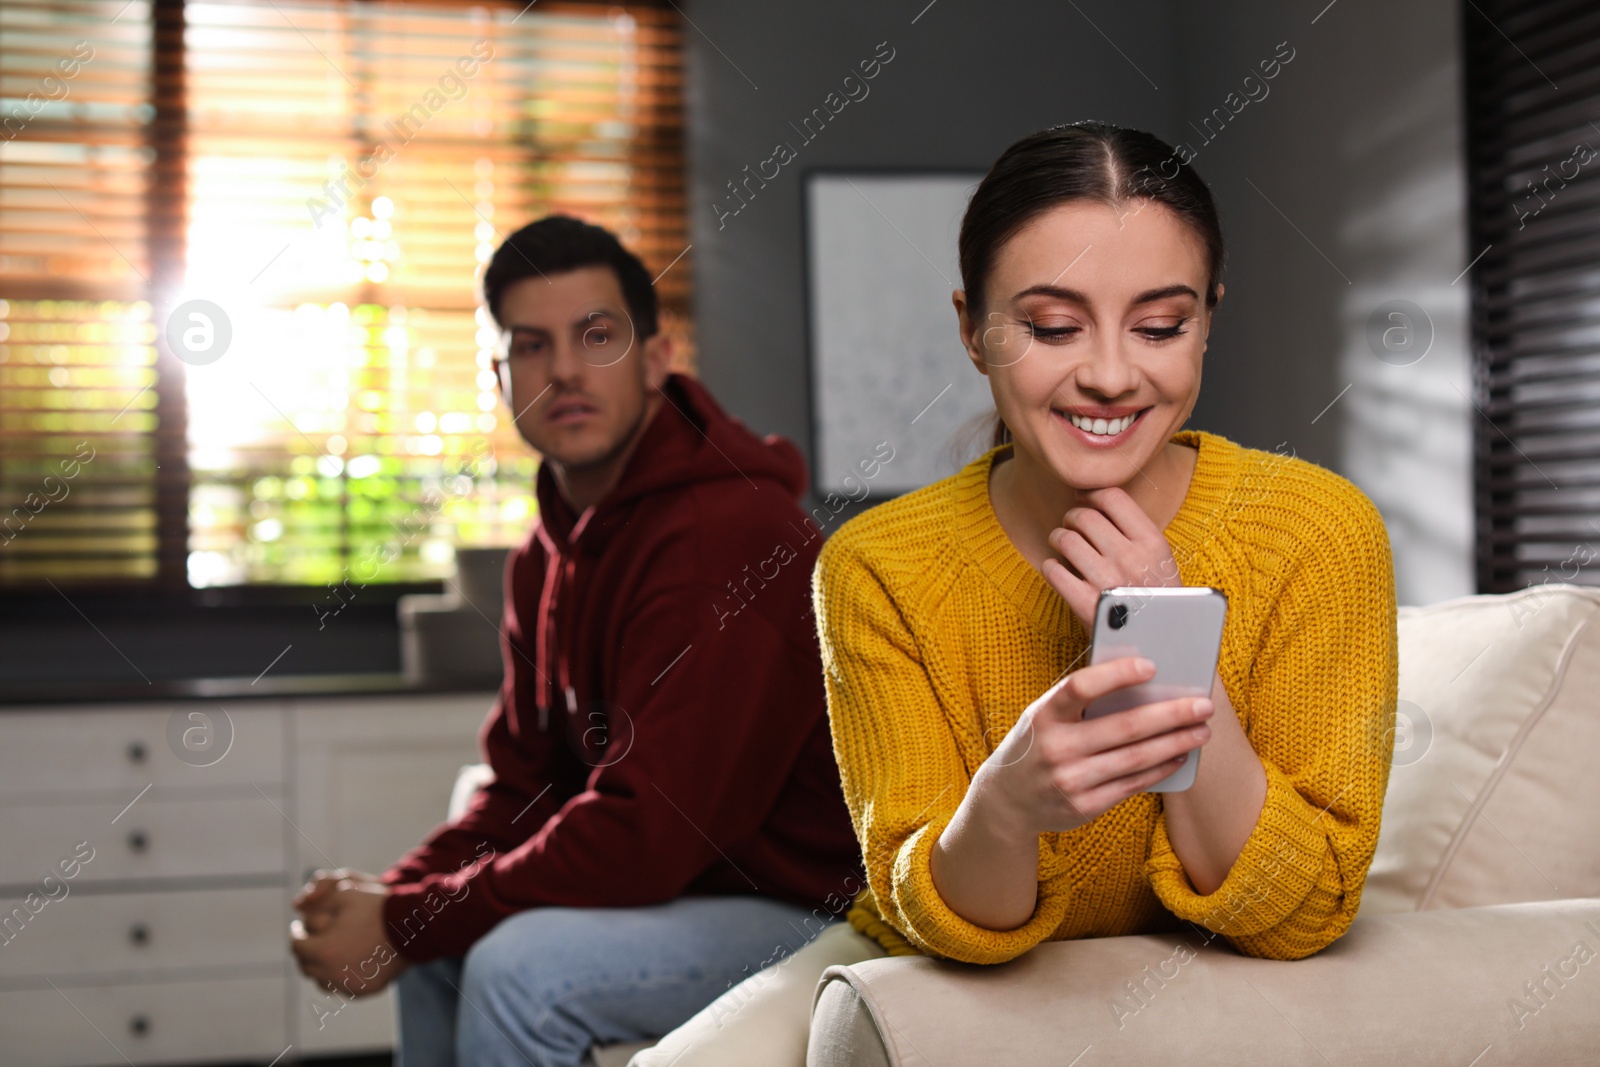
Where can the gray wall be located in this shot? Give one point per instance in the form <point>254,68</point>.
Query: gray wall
<point>1357,144</point>
<point>1358,148</point>
<point>965,82</point>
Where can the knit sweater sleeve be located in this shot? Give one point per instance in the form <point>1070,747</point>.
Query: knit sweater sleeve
<point>1319,708</point>
<point>899,765</point>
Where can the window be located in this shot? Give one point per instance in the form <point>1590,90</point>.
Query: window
<point>1533,71</point>
<point>77,473</point>
<point>240,245</point>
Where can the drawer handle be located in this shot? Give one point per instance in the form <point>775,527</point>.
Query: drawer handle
<point>139,934</point>
<point>136,752</point>
<point>139,1025</point>
<point>138,841</point>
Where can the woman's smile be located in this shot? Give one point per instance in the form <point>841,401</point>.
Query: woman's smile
<point>1099,428</point>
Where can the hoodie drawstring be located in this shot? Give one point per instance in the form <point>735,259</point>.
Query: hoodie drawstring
<point>544,631</point>
<point>552,661</point>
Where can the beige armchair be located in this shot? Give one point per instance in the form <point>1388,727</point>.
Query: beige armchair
<point>1478,940</point>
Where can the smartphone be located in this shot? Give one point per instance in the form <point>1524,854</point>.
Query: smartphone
<point>1179,628</point>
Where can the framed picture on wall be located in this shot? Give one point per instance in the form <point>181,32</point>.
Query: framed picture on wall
<point>892,389</point>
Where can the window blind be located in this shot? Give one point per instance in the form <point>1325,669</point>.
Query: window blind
<point>1533,105</point>
<point>78,489</point>
<point>347,170</point>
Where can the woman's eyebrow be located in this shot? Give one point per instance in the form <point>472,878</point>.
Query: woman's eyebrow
<point>1056,291</point>
<point>1076,297</point>
<point>1151,295</point>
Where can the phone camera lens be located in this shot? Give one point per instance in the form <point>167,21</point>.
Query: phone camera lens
<point>1118,616</point>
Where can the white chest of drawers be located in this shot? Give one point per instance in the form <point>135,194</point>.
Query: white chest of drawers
<point>144,897</point>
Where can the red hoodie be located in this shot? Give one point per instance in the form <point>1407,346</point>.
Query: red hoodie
<point>662,728</point>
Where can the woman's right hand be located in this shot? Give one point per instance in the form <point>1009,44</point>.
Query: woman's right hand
<point>1056,771</point>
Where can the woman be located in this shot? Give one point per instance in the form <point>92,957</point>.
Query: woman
<point>954,620</point>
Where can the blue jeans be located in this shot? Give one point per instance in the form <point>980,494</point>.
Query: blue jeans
<point>543,986</point>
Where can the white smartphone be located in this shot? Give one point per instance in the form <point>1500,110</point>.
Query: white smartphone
<point>1179,628</point>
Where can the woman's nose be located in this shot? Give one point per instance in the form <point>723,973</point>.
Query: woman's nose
<point>1107,371</point>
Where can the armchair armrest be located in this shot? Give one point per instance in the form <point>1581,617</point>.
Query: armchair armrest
<point>1415,987</point>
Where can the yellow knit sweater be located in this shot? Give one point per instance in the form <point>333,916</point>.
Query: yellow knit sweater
<point>937,633</point>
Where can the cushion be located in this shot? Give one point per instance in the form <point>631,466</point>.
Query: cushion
<point>1493,795</point>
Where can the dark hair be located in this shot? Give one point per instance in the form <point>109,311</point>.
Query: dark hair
<point>1080,161</point>
<point>559,243</point>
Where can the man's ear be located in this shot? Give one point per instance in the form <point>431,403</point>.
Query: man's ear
<point>971,335</point>
<point>658,351</point>
<point>501,373</point>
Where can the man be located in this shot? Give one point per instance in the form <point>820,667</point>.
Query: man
<point>665,816</point>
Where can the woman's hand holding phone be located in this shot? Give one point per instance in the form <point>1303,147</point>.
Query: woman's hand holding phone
<point>1056,770</point>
